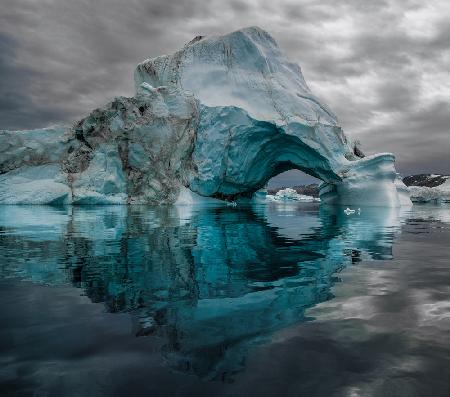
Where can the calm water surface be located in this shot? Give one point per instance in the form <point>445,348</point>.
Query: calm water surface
<point>276,300</point>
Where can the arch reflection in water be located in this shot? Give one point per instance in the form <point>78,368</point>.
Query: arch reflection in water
<point>210,281</point>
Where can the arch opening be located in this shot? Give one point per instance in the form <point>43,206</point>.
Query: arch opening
<point>292,178</point>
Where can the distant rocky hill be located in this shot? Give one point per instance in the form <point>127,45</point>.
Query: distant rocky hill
<point>427,180</point>
<point>307,190</point>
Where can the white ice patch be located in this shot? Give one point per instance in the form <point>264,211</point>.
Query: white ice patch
<point>34,185</point>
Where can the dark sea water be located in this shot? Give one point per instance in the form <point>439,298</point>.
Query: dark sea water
<point>265,300</point>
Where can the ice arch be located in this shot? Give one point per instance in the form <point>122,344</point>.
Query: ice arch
<point>236,155</point>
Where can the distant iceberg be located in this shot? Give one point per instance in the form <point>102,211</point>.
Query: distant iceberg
<point>289,194</point>
<point>425,194</point>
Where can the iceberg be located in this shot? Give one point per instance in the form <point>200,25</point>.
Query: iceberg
<point>219,117</point>
<point>425,194</point>
<point>289,194</point>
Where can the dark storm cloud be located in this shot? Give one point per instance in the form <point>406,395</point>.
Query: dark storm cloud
<point>382,66</point>
<point>394,95</point>
<point>17,109</point>
<point>420,139</point>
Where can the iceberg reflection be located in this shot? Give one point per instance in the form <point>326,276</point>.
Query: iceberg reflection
<point>210,281</point>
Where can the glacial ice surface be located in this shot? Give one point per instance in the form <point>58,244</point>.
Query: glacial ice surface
<point>219,118</point>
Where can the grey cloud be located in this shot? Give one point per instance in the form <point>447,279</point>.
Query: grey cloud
<point>420,139</point>
<point>239,6</point>
<point>435,118</point>
<point>397,95</point>
<point>306,14</point>
<point>17,109</point>
<point>59,59</point>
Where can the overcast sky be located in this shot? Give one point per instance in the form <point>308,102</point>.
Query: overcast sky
<point>382,66</point>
